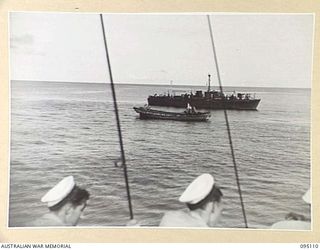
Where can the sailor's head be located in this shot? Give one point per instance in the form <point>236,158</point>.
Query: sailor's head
<point>201,192</point>
<point>295,221</point>
<point>67,200</point>
<point>306,197</point>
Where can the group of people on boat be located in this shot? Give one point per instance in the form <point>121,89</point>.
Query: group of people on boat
<point>212,94</point>
<point>66,202</point>
<point>190,109</point>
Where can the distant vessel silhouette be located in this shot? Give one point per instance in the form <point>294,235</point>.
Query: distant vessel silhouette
<point>207,100</point>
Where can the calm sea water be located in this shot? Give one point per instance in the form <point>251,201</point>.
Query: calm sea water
<point>60,129</point>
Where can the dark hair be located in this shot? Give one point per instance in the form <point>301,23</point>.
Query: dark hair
<point>76,197</point>
<point>214,195</point>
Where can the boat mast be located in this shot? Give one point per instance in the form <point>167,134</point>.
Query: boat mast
<point>209,76</point>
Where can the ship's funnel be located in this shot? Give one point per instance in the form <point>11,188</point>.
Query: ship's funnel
<point>209,80</point>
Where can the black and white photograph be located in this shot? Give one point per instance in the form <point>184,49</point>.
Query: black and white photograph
<point>171,120</point>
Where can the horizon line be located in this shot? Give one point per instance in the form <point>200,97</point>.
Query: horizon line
<point>158,84</point>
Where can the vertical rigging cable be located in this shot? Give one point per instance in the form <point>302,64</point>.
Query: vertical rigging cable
<point>227,124</point>
<point>123,159</point>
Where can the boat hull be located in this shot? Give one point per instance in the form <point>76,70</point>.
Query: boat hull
<point>202,103</point>
<point>162,115</point>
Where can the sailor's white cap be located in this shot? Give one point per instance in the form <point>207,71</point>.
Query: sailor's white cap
<point>306,197</point>
<point>59,191</point>
<point>198,189</point>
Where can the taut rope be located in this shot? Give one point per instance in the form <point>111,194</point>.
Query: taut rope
<point>227,123</point>
<point>123,159</point>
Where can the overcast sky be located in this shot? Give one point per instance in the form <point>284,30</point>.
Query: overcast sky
<point>253,49</point>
